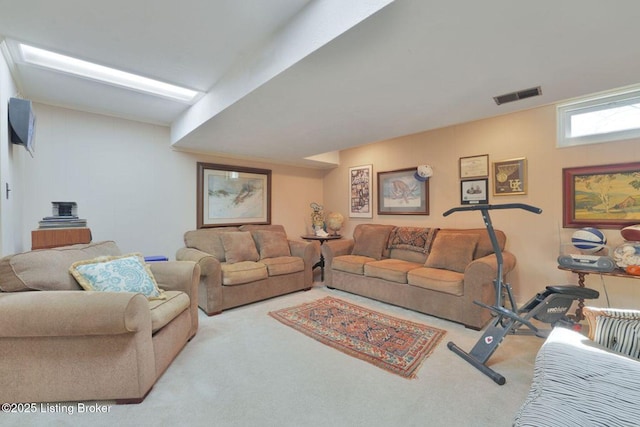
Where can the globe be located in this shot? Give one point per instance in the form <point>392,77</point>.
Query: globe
<point>334,222</point>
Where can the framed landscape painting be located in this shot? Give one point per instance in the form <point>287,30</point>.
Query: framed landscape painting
<point>606,196</point>
<point>400,193</point>
<point>232,195</point>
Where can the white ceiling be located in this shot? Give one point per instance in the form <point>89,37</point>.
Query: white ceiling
<point>283,86</point>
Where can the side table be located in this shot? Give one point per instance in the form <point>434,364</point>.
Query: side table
<point>321,239</point>
<point>581,275</point>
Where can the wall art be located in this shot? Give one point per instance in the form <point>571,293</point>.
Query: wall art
<point>232,195</point>
<point>400,193</point>
<point>605,196</point>
<point>510,177</point>
<point>360,205</point>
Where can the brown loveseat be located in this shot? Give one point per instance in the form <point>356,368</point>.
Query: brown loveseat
<point>61,343</point>
<point>241,265</point>
<point>434,271</point>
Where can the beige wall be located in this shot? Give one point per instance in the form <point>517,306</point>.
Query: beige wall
<point>130,185</point>
<point>534,239</point>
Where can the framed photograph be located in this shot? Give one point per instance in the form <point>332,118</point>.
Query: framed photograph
<point>400,193</point>
<point>510,177</point>
<point>606,196</point>
<point>232,195</point>
<point>474,166</point>
<point>360,205</point>
<point>474,192</point>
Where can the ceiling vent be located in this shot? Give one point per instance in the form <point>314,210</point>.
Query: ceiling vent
<point>517,96</point>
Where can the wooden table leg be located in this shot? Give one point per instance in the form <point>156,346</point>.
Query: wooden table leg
<point>579,315</point>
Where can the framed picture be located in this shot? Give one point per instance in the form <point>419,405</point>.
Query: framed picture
<point>400,193</point>
<point>474,192</point>
<point>510,177</point>
<point>232,195</point>
<point>474,166</point>
<point>360,205</point>
<point>606,196</point>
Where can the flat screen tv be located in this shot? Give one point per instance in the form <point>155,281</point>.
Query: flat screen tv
<point>22,123</point>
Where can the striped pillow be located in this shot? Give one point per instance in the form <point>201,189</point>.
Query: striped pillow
<point>619,335</point>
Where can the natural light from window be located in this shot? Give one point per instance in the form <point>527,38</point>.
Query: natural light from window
<point>604,118</point>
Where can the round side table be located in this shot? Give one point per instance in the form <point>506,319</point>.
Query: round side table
<point>321,239</point>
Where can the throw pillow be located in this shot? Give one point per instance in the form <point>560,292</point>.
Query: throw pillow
<point>452,251</point>
<point>125,273</point>
<point>371,241</point>
<point>239,246</point>
<point>271,244</point>
<point>619,335</point>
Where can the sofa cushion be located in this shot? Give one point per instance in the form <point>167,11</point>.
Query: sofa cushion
<point>619,335</point>
<point>370,240</point>
<point>394,270</point>
<point>271,244</point>
<point>239,246</point>
<point>484,247</point>
<point>351,263</point>
<point>452,251</point>
<point>242,272</point>
<point>208,240</point>
<point>436,279</point>
<point>124,273</point>
<point>165,310</point>
<point>283,265</point>
<point>48,269</point>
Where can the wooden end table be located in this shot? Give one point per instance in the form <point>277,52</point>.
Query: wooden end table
<point>321,239</point>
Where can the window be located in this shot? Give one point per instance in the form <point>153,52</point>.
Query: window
<point>603,118</point>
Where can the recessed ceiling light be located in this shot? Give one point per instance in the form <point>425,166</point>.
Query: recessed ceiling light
<point>89,70</point>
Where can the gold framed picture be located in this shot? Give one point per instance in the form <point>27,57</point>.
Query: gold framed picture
<point>510,177</point>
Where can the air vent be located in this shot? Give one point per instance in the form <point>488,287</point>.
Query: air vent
<point>516,96</point>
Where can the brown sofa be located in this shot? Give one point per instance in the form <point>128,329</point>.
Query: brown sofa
<point>59,342</point>
<point>434,271</point>
<point>241,265</point>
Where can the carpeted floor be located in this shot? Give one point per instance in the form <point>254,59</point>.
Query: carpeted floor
<point>243,368</point>
<point>393,344</point>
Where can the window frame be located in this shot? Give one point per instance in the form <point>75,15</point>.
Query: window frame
<point>601,102</point>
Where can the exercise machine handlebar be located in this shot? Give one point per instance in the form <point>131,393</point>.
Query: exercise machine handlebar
<point>491,207</point>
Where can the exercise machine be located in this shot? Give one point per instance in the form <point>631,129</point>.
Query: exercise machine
<point>549,306</point>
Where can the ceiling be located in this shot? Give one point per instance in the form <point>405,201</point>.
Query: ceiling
<point>288,79</point>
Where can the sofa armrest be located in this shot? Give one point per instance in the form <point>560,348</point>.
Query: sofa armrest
<point>181,276</point>
<point>478,286</point>
<point>332,249</point>
<point>72,313</point>
<point>309,253</point>
<point>210,283</point>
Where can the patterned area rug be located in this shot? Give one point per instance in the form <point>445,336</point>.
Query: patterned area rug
<point>397,345</point>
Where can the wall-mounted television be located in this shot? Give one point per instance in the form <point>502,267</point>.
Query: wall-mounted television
<point>22,123</point>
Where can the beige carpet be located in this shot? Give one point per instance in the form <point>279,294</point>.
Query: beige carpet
<point>245,368</point>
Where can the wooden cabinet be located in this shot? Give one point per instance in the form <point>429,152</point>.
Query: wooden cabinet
<point>54,237</point>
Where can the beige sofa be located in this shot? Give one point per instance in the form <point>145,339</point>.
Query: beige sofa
<point>241,265</point>
<point>434,271</point>
<point>59,342</point>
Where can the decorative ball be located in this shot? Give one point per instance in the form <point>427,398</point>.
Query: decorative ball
<point>631,233</point>
<point>589,239</point>
<point>627,254</point>
<point>334,221</point>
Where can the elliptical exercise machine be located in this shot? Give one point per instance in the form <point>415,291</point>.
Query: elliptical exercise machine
<point>548,306</point>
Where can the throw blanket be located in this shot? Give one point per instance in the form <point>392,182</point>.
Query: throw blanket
<point>415,239</point>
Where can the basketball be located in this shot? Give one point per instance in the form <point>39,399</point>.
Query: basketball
<point>589,239</point>
<point>631,233</point>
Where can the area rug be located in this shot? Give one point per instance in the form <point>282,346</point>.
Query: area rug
<point>393,344</point>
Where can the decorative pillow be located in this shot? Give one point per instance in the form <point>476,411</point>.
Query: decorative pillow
<point>619,335</point>
<point>371,240</point>
<point>125,273</point>
<point>271,244</point>
<point>452,251</point>
<point>239,246</point>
